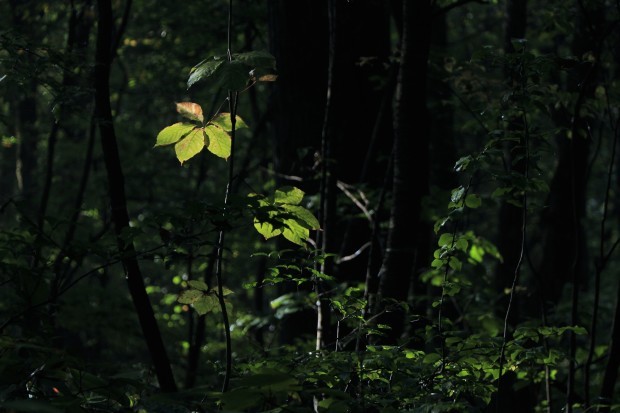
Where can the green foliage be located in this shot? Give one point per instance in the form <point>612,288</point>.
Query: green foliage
<point>235,74</point>
<point>281,214</point>
<point>70,340</point>
<point>190,139</point>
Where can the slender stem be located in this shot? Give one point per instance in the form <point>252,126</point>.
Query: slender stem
<point>232,97</point>
<point>232,105</point>
<point>517,270</point>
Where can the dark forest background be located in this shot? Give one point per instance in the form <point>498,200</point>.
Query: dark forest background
<point>460,157</point>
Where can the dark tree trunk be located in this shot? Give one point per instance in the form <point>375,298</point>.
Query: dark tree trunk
<point>25,109</point>
<point>298,37</point>
<point>610,375</point>
<point>410,181</point>
<point>298,41</point>
<point>120,215</point>
<point>564,252</point>
<point>361,123</point>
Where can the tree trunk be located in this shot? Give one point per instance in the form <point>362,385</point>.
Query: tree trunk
<point>410,180</point>
<point>120,215</point>
<point>298,37</point>
<point>25,110</point>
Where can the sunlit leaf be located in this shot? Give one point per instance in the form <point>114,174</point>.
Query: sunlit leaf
<point>190,110</point>
<point>295,232</point>
<point>288,195</point>
<point>266,229</point>
<point>191,145</point>
<point>173,133</point>
<point>218,141</point>
<point>303,216</point>
<point>223,121</point>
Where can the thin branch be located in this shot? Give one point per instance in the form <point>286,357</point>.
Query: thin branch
<point>517,270</point>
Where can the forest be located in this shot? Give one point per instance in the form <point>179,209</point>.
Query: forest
<point>309,206</point>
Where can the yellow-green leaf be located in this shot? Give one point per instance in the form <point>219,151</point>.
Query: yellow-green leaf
<point>190,145</point>
<point>295,233</point>
<point>288,195</point>
<point>173,133</point>
<point>223,121</point>
<point>218,141</point>
<point>302,216</point>
<point>266,229</point>
<point>190,110</point>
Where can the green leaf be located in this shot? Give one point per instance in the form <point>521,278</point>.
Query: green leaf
<point>437,263</point>
<point>256,59</point>
<point>445,239</point>
<point>457,194</point>
<point>191,145</point>
<point>232,75</point>
<point>431,358</point>
<point>267,229</point>
<point>288,195</point>
<point>190,296</point>
<point>476,253</point>
<point>455,264</point>
<point>173,133</point>
<point>473,201</point>
<point>295,233</point>
<point>206,68</point>
<point>223,121</point>
<point>198,285</point>
<point>462,244</point>
<point>218,141</point>
<point>207,304</point>
<point>302,216</point>
<point>190,110</point>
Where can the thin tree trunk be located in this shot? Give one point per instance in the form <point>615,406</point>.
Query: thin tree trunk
<point>410,180</point>
<point>120,215</point>
<point>510,224</point>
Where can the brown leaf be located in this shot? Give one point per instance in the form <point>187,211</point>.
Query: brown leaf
<point>190,110</point>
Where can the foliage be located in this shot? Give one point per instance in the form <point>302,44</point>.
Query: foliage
<point>477,317</point>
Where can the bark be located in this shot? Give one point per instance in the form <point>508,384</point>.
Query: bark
<point>565,251</point>
<point>610,376</point>
<point>120,215</point>
<point>298,40</point>
<point>410,180</point>
<point>25,108</point>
